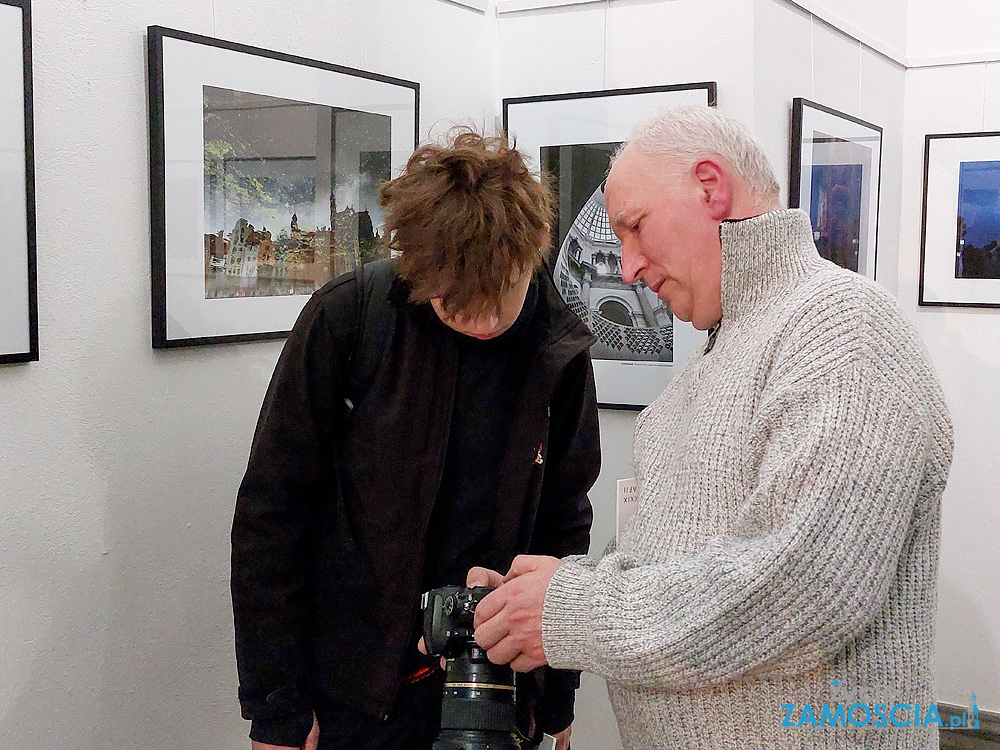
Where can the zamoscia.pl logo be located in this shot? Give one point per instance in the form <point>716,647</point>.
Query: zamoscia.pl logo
<point>866,712</point>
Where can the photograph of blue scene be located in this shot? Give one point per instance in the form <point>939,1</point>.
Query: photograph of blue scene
<point>835,212</point>
<point>977,254</point>
<point>630,322</point>
<point>291,193</point>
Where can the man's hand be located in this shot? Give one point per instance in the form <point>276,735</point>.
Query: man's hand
<point>483,577</point>
<point>509,620</point>
<point>562,739</point>
<point>422,648</point>
<point>311,743</point>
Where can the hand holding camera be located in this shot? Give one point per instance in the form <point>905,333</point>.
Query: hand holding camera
<point>508,623</point>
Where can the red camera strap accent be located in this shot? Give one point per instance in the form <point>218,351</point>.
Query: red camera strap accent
<point>420,674</point>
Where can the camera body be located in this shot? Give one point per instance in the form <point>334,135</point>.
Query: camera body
<point>478,709</point>
<point>449,613</point>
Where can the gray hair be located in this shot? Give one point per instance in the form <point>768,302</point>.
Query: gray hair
<point>685,134</point>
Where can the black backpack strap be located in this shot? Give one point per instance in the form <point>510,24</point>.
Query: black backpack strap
<point>375,324</point>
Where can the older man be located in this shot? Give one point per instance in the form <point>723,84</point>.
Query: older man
<point>785,548</point>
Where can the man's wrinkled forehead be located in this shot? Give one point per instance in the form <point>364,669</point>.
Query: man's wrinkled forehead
<point>627,182</point>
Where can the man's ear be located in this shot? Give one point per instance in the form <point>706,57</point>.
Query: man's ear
<point>716,188</point>
<point>545,237</point>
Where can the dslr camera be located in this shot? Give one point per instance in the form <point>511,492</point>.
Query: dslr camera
<point>479,705</point>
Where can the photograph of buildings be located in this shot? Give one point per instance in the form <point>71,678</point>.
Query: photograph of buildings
<point>629,321</point>
<point>835,212</point>
<point>291,192</point>
<point>977,254</point>
<point>840,192</point>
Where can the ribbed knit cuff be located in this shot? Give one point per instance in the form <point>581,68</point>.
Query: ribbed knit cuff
<point>567,628</point>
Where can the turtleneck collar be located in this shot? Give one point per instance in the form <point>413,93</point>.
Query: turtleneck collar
<point>762,256</point>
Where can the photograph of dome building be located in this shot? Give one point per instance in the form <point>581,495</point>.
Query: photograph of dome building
<point>629,321</point>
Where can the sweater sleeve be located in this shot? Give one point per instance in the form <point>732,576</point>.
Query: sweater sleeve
<point>839,465</point>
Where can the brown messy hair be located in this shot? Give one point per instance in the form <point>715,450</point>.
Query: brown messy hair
<point>466,219</point>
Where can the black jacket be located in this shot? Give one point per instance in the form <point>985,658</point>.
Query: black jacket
<point>332,515</point>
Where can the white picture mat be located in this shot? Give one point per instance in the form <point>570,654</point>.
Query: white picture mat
<point>944,159</point>
<point>640,383</point>
<point>15,327</point>
<point>814,120</point>
<point>607,119</point>
<point>187,67</point>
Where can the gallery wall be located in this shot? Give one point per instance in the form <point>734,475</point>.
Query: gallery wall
<point>796,54</point>
<point>883,23</point>
<point>960,28</point>
<point>964,347</point>
<point>119,465</point>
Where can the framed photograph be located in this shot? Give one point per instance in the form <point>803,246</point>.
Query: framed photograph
<point>572,137</point>
<point>960,239</point>
<point>264,177</point>
<point>18,286</point>
<point>835,170</point>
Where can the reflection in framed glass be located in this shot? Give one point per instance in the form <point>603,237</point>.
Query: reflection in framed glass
<point>264,176</point>
<point>18,284</point>
<point>960,237</point>
<point>572,137</point>
<point>836,164</point>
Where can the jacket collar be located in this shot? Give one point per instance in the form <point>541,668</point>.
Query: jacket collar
<point>554,324</point>
<point>762,256</point>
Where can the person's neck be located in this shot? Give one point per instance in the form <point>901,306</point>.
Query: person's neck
<point>747,207</point>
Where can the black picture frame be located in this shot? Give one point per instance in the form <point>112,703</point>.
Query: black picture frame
<point>572,136</point>
<point>835,174</point>
<point>961,185</point>
<point>19,289</point>
<point>185,70</point>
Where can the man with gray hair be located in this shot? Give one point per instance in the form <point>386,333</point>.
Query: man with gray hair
<point>784,555</point>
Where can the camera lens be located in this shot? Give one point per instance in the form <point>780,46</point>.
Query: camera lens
<point>477,710</point>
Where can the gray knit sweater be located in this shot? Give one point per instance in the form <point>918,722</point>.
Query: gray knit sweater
<point>790,480</point>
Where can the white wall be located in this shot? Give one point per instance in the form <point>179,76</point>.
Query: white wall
<point>963,344</point>
<point>797,55</point>
<point>118,464</point>
<point>959,27</point>
<point>883,22</point>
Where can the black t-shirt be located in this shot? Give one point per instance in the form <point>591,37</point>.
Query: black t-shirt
<point>491,375</point>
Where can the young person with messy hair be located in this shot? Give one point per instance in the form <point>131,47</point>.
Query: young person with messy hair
<point>475,439</point>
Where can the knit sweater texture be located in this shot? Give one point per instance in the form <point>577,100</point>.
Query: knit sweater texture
<point>790,482</point>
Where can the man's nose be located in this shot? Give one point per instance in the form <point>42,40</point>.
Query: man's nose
<point>632,263</point>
